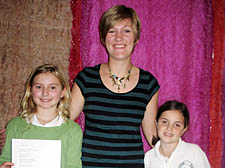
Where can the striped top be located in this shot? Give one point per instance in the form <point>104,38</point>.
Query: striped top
<point>112,136</point>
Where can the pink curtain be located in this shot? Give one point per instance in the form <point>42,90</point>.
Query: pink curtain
<point>175,45</point>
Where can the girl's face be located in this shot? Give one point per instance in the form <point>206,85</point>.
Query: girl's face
<point>46,91</point>
<point>120,40</point>
<point>170,126</point>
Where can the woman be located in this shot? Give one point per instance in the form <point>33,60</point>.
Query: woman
<point>116,97</point>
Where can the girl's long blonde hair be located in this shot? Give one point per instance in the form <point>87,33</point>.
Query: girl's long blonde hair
<point>28,105</point>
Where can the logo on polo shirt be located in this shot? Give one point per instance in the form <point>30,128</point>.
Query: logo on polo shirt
<point>186,164</point>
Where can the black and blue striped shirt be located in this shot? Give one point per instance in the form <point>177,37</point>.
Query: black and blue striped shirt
<point>112,136</point>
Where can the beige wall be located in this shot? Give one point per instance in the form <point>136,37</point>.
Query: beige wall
<point>32,32</point>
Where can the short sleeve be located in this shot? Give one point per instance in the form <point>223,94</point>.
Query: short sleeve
<point>148,83</point>
<point>202,160</point>
<point>10,133</point>
<point>80,80</point>
<point>153,85</point>
<point>74,144</point>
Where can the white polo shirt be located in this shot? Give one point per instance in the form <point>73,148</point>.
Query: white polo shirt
<point>186,155</point>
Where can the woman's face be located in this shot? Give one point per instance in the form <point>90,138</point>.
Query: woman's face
<point>120,40</point>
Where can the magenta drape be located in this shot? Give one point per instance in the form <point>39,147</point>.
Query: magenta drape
<point>175,45</point>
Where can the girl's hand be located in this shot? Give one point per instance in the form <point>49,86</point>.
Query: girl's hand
<point>2,138</point>
<point>6,165</point>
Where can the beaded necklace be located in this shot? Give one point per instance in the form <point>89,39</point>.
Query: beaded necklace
<point>119,81</point>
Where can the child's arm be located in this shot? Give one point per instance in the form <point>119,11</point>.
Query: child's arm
<point>6,165</point>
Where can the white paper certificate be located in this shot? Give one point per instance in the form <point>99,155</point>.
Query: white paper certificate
<point>33,153</point>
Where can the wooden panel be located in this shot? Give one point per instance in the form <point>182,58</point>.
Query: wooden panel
<point>32,33</point>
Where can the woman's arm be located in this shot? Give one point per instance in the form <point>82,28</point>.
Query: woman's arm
<point>148,123</point>
<point>77,103</point>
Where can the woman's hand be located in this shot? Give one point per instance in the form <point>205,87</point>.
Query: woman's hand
<point>150,132</point>
<point>6,165</point>
<point>2,138</point>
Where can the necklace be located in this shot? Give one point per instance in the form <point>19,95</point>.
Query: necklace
<point>119,81</point>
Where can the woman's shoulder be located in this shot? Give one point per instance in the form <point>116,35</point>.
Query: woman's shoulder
<point>91,68</point>
<point>146,73</point>
<point>89,72</point>
<point>149,80</point>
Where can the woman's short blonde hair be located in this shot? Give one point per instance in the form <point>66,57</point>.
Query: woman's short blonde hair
<point>116,14</point>
<point>28,105</point>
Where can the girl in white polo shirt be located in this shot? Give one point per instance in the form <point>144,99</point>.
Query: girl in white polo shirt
<point>171,151</point>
